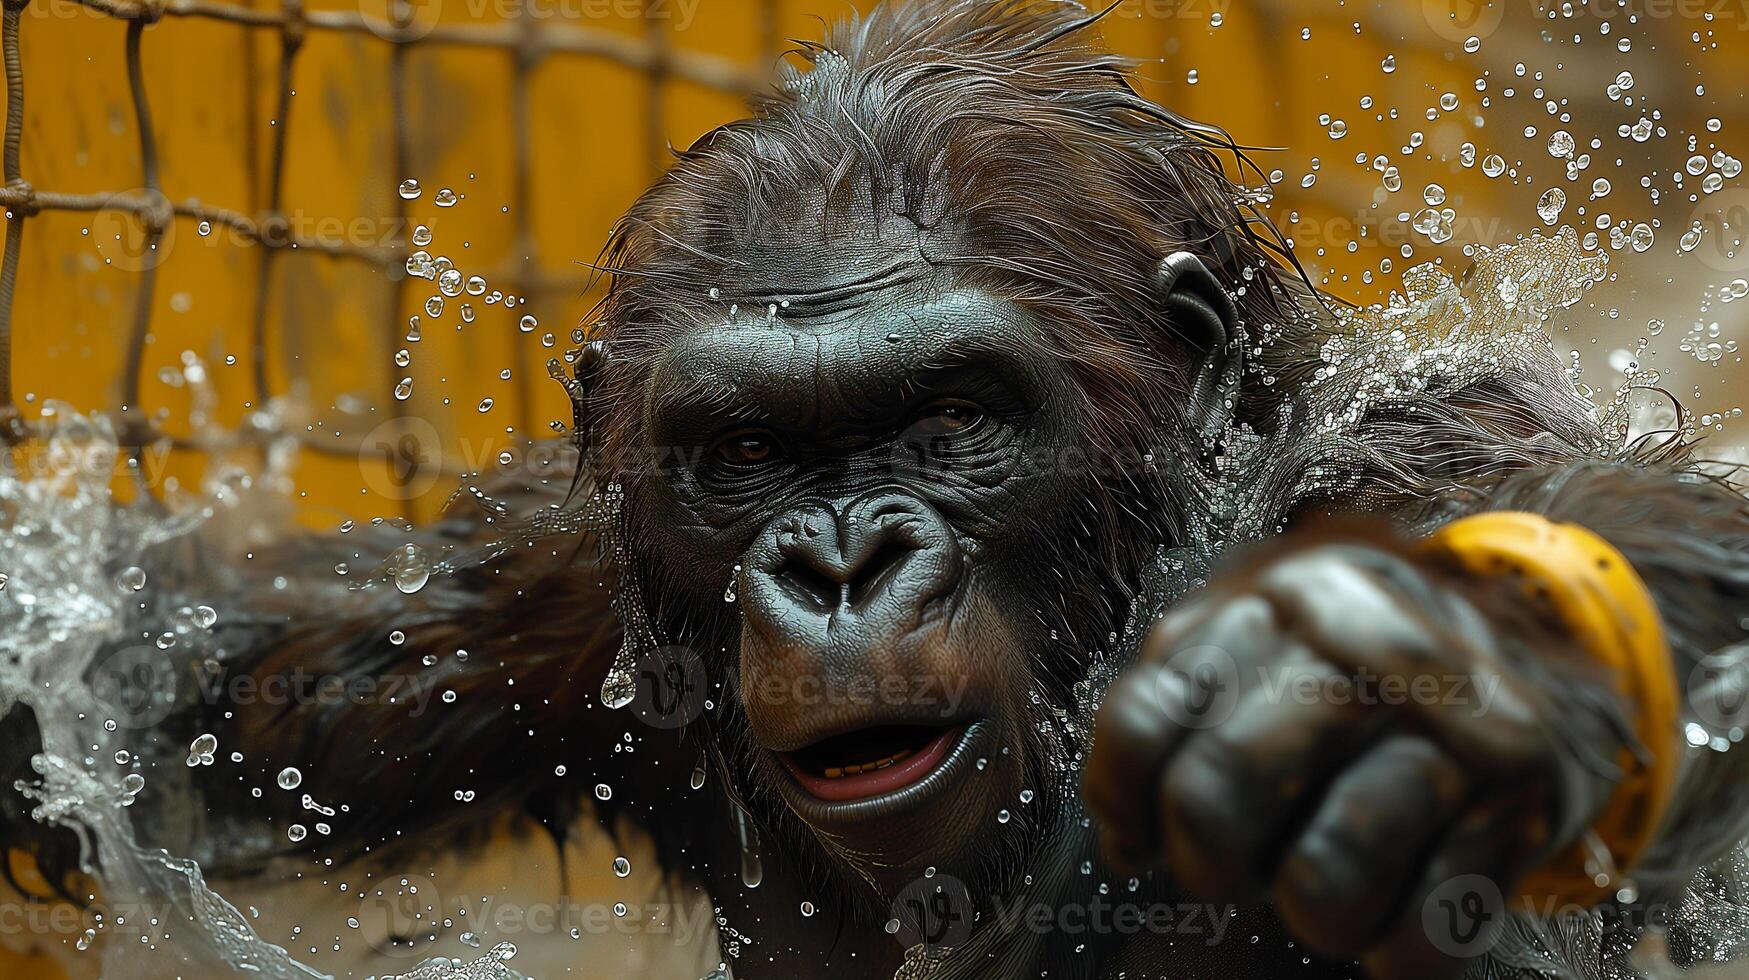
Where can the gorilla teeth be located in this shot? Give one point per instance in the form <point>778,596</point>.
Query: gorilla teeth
<point>839,772</point>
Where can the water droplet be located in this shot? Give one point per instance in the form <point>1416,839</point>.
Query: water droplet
<point>450,283</point>
<point>409,189</point>
<point>1549,206</point>
<point>296,832</point>
<point>618,688</point>
<point>290,778</point>
<point>621,867</point>
<point>200,751</point>
<point>527,324</point>
<point>445,198</point>
<point>131,579</point>
<point>603,792</point>
<point>410,570</point>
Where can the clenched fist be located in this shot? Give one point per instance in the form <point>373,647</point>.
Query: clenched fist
<point>1343,730</point>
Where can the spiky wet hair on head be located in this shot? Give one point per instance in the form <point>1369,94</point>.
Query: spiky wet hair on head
<point>1006,125</point>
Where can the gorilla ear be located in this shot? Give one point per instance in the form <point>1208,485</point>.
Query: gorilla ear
<point>1203,316</point>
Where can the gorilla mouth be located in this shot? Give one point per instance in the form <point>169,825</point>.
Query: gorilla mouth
<point>869,762</point>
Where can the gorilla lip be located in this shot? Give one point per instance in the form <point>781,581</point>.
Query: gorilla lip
<point>869,763</point>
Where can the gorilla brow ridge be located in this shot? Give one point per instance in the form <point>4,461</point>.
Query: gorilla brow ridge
<point>1001,127</point>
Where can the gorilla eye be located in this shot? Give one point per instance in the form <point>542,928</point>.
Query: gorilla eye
<point>948,419</point>
<point>747,448</point>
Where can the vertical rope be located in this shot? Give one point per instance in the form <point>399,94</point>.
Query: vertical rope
<point>11,426</point>
<point>155,216</point>
<point>401,154</point>
<point>527,55</point>
<point>275,228</point>
<point>656,33</point>
<point>769,40</point>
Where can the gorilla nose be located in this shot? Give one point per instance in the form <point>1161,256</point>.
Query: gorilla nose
<point>820,571</point>
<point>880,559</point>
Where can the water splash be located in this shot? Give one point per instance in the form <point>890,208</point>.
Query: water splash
<point>62,609</point>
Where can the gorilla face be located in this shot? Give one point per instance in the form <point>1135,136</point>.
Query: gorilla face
<point>870,471</point>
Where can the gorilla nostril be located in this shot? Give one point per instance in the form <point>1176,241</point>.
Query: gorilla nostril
<point>832,583</point>
<point>867,578</point>
<point>812,586</point>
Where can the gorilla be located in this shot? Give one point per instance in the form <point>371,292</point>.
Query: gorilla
<point>1001,559</point>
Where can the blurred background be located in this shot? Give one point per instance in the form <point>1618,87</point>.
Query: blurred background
<point>228,191</point>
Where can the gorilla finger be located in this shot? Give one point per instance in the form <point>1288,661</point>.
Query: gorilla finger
<point>1353,606</point>
<point>1181,619</point>
<point>1232,796</point>
<point>1191,680</point>
<point>1457,909</point>
<point>1134,734</point>
<point>1330,597</point>
<point>1146,716</point>
<point>1240,629</point>
<point>1345,874</point>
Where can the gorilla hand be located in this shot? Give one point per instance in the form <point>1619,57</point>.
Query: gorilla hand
<point>1344,730</point>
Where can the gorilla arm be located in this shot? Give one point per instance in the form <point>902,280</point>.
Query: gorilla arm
<point>1349,817</point>
<point>522,640</point>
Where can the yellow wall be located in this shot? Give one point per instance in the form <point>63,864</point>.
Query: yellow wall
<point>335,325</point>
